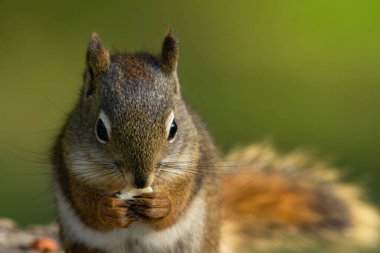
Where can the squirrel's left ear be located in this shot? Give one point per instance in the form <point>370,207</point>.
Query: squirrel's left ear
<point>170,53</point>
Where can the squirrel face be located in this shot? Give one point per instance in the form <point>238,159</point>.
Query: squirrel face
<point>128,114</point>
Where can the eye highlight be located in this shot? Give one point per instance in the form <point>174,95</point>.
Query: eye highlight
<point>102,128</point>
<point>171,127</point>
<point>101,131</point>
<point>172,131</point>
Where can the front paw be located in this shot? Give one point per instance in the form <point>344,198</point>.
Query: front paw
<point>113,213</point>
<point>153,205</point>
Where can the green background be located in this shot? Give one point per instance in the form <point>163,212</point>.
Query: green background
<point>301,73</point>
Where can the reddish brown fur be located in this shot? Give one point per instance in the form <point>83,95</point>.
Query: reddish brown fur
<point>178,195</point>
<point>93,206</point>
<point>273,200</point>
<point>93,201</point>
<point>262,200</point>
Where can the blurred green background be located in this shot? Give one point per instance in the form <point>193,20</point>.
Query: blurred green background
<point>302,73</point>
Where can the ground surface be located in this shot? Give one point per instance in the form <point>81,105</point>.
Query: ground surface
<point>14,239</point>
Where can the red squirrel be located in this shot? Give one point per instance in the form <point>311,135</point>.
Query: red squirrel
<point>135,170</point>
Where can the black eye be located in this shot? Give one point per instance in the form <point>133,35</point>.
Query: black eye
<point>172,131</point>
<point>101,131</point>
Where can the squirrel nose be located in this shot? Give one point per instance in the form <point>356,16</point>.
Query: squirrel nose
<point>140,182</point>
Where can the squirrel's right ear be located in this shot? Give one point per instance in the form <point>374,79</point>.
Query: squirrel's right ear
<point>98,60</point>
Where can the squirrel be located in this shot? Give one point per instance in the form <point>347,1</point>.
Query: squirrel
<point>131,132</point>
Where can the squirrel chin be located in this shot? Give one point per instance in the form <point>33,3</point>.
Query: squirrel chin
<point>129,193</point>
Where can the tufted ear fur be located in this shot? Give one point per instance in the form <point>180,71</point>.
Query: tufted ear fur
<point>170,53</point>
<point>98,57</point>
<point>98,61</point>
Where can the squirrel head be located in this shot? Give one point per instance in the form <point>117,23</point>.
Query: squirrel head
<point>131,116</point>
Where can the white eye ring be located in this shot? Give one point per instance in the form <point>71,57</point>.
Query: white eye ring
<point>103,119</point>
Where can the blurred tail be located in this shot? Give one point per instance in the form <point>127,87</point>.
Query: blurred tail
<point>292,202</point>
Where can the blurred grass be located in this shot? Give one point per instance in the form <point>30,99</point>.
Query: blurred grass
<point>302,73</point>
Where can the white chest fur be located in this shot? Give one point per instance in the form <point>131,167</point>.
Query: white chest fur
<point>186,235</point>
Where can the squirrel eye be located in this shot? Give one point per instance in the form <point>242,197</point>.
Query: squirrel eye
<point>103,128</point>
<point>172,131</point>
<point>101,131</point>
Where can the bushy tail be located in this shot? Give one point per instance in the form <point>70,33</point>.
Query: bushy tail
<point>292,202</point>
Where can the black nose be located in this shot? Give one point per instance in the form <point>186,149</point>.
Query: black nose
<point>140,182</point>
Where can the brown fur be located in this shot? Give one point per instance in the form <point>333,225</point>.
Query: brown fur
<point>136,147</point>
<point>97,56</point>
<point>170,53</point>
<point>266,198</point>
<point>277,201</point>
